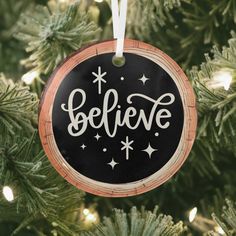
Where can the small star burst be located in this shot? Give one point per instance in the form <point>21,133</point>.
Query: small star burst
<point>112,163</point>
<point>97,136</point>
<point>144,79</point>
<point>149,150</point>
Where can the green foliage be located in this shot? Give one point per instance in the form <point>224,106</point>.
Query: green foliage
<point>216,105</point>
<point>41,195</point>
<point>185,31</point>
<point>227,221</point>
<point>144,223</point>
<point>10,11</point>
<point>53,32</point>
<point>151,10</point>
<point>17,107</point>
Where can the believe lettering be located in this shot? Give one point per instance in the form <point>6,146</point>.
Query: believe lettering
<point>80,120</point>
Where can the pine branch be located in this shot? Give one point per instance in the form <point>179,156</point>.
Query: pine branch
<point>41,195</point>
<point>181,31</point>
<point>151,14</point>
<point>10,50</point>
<point>227,221</point>
<point>9,14</point>
<point>215,147</point>
<point>137,223</point>
<point>53,32</point>
<point>216,105</point>
<point>17,107</point>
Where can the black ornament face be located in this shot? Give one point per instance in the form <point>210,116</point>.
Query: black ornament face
<point>117,125</point>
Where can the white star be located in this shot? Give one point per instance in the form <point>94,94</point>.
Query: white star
<point>144,79</point>
<point>83,146</point>
<point>127,146</point>
<point>149,150</point>
<point>97,136</point>
<point>99,79</point>
<point>112,163</point>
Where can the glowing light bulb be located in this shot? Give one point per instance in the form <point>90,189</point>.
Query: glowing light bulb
<point>29,77</point>
<point>98,0</point>
<point>221,79</point>
<point>8,193</point>
<point>86,211</point>
<point>192,214</point>
<point>219,230</point>
<point>91,218</point>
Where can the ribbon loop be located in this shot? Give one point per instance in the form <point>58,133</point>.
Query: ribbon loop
<point>119,23</point>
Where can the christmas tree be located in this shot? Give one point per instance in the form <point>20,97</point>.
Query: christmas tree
<point>35,36</point>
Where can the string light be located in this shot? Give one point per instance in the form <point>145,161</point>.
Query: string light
<point>8,193</point>
<point>221,79</point>
<point>219,230</point>
<point>86,211</point>
<point>29,77</point>
<point>192,214</point>
<point>89,216</point>
<point>98,0</point>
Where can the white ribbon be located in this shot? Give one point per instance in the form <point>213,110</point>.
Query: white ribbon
<point>119,23</point>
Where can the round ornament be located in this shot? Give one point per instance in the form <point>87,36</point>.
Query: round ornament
<point>118,131</point>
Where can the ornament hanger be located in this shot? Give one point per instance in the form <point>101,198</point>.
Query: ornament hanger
<point>119,23</point>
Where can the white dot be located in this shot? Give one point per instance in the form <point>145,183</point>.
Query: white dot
<point>104,149</point>
<point>156,134</point>
<point>122,78</point>
<point>118,106</point>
